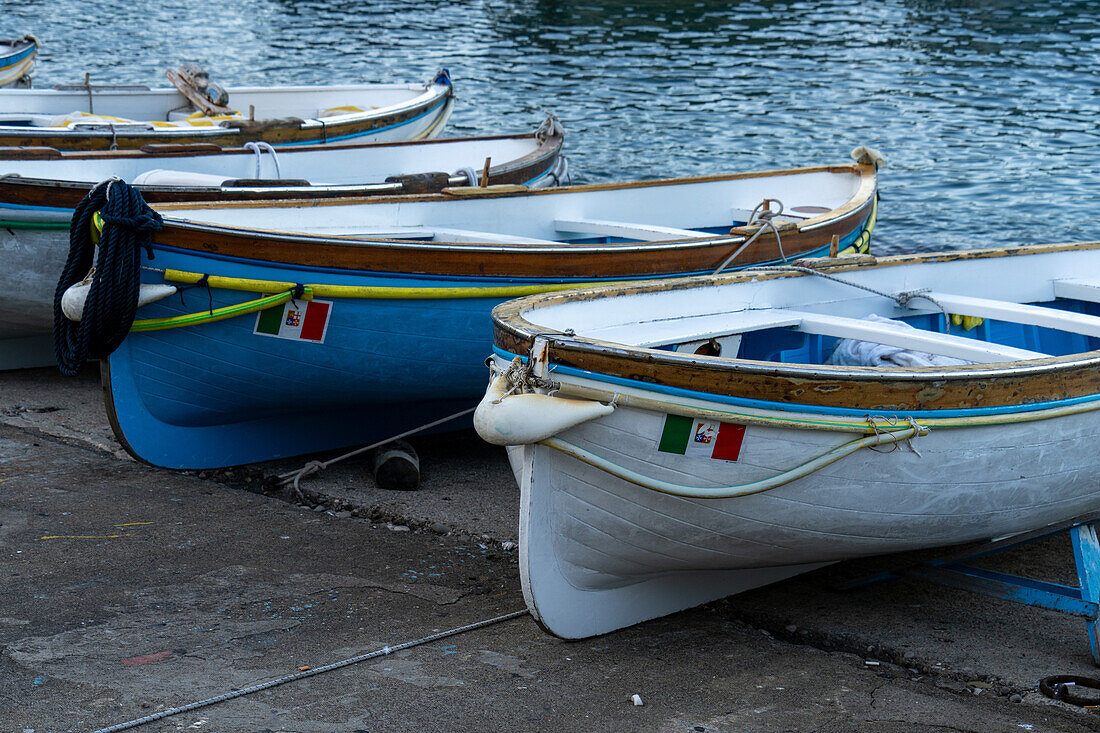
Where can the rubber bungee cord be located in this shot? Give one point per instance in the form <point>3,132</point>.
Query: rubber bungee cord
<point>116,279</point>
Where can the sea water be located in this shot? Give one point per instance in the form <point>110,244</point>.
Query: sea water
<point>987,112</point>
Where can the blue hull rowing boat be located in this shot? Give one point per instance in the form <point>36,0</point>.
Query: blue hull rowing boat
<point>352,322</point>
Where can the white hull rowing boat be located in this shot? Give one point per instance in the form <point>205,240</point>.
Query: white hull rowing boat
<point>17,60</point>
<point>101,117</point>
<point>712,475</point>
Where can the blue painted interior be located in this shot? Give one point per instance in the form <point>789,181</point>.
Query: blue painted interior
<point>788,346</point>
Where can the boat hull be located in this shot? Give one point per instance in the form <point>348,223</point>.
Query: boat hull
<point>16,61</point>
<point>599,553</point>
<point>717,472</point>
<point>46,185</point>
<point>279,123</point>
<point>222,394</point>
<point>408,321</point>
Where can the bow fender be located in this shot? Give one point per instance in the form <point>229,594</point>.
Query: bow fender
<point>519,419</point>
<point>72,302</point>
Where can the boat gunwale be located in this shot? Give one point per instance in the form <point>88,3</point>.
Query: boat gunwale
<point>17,46</point>
<point>861,198</point>
<point>10,153</point>
<point>548,148</point>
<point>867,174</point>
<point>514,333</point>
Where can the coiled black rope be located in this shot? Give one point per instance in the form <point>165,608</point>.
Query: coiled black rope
<point>112,300</point>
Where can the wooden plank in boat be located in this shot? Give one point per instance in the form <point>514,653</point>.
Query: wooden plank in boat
<point>1077,289</point>
<point>697,328</point>
<point>710,326</point>
<point>911,338</point>
<point>627,230</point>
<point>447,234</point>
<point>442,234</point>
<point>462,191</point>
<point>1031,315</point>
<point>384,233</point>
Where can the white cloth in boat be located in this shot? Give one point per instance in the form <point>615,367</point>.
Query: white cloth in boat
<point>850,352</point>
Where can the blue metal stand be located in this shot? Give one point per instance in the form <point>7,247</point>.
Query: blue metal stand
<point>1083,601</point>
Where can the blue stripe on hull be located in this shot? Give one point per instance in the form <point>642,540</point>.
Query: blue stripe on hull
<point>12,59</point>
<point>366,133</point>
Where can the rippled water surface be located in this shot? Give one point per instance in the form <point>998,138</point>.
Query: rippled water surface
<point>986,111</point>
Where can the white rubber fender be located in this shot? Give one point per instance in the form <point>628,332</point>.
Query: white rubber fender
<point>72,302</point>
<point>520,419</point>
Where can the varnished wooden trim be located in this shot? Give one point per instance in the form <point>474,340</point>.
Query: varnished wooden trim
<point>860,388</point>
<point>867,174</point>
<point>54,193</point>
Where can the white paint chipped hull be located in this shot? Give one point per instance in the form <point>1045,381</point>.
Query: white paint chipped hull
<point>599,553</point>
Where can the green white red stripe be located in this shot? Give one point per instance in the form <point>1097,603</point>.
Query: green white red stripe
<point>296,320</point>
<point>692,437</point>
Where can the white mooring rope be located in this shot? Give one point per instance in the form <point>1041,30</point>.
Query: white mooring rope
<point>259,148</point>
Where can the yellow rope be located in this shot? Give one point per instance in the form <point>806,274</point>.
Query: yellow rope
<point>220,314</point>
<point>380,293</point>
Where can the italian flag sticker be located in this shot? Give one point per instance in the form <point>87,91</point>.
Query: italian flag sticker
<point>297,320</point>
<point>701,438</point>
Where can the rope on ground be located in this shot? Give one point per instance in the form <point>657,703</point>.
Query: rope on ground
<point>310,672</point>
<point>112,299</point>
<point>293,477</point>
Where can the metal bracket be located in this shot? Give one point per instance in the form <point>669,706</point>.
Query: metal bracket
<point>1083,600</point>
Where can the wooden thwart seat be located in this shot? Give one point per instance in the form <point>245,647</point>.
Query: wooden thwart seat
<point>443,234</point>
<point>626,230</point>
<point>916,339</point>
<point>682,330</point>
<point>1078,289</point>
<point>1032,315</point>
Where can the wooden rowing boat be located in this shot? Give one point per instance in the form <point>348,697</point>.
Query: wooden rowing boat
<point>711,435</point>
<point>17,60</point>
<point>404,286</point>
<point>40,187</point>
<point>106,117</point>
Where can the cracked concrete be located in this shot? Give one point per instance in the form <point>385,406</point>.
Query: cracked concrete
<point>130,589</point>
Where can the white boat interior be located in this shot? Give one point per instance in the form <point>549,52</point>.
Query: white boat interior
<point>1024,307</point>
<point>41,107</point>
<point>319,165</point>
<point>598,215</point>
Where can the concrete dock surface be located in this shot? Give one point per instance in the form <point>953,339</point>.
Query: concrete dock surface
<point>130,590</point>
